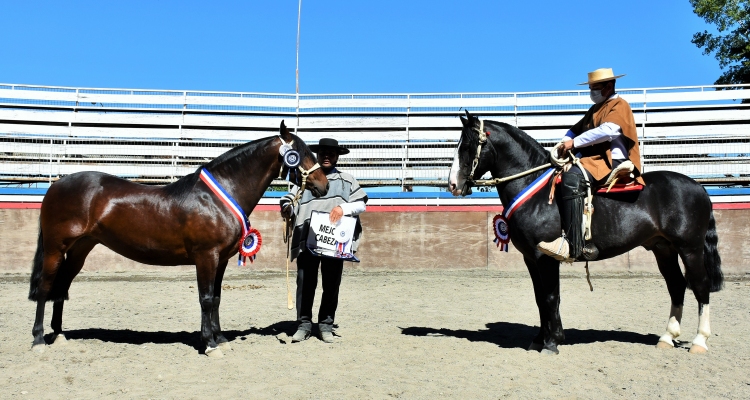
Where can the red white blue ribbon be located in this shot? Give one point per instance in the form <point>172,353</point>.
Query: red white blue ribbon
<point>340,247</point>
<point>500,222</point>
<point>526,193</point>
<point>250,235</point>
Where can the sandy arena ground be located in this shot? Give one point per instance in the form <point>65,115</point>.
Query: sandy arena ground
<point>403,335</point>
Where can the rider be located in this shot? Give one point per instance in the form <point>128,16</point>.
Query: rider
<point>603,139</point>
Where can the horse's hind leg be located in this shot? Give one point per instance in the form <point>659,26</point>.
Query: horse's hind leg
<point>667,260</point>
<point>699,282</point>
<point>38,329</point>
<point>56,325</point>
<point>46,278</point>
<point>69,268</point>
<point>221,341</point>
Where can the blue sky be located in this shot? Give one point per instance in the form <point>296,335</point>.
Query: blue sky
<point>350,46</point>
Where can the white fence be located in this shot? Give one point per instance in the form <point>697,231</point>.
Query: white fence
<point>396,139</point>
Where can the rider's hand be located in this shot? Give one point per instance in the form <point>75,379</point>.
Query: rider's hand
<point>336,214</point>
<point>567,145</point>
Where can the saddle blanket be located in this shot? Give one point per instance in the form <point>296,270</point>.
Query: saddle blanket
<point>619,188</point>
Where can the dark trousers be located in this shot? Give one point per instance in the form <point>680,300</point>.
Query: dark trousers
<point>307,281</point>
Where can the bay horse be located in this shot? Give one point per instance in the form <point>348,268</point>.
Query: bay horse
<point>672,217</point>
<point>182,223</point>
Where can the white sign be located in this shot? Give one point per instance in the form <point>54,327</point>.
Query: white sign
<point>331,240</point>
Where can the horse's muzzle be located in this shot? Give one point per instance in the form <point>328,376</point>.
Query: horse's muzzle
<point>466,188</point>
<point>318,193</point>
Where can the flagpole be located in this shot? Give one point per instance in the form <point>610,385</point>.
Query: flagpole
<point>299,16</point>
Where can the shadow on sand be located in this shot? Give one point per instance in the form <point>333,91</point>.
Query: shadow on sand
<point>191,339</point>
<point>511,335</point>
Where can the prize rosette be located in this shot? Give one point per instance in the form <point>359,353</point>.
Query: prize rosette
<point>502,234</point>
<point>342,239</point>
<point>292,159</point>
<point>250,245</point>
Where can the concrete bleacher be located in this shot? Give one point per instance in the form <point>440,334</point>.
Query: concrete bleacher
<point>396,139</point>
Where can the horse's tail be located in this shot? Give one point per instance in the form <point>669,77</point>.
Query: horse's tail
<point>37,265</point>
<point>711,258</point>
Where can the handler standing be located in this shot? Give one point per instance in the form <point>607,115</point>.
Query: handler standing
<point>344,197</point>
<point>603,139</point>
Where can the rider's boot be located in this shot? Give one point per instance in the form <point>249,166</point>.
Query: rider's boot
<point>568,247</point>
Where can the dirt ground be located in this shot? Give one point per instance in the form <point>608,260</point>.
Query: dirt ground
<point>402,335</point>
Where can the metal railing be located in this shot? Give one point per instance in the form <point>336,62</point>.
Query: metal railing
<point>157,136</point>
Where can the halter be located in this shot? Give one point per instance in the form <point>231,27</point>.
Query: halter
<point>286,148</point>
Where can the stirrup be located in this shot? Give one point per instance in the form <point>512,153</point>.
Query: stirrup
<point>559,249</point>
<point>623,170</point>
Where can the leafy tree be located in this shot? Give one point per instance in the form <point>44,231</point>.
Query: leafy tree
<point>732,47</point>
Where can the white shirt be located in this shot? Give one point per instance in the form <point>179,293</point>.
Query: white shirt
<point>607,131</point>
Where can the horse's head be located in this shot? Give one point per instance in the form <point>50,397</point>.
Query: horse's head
<point>470,161</point>
<point>308,172</point>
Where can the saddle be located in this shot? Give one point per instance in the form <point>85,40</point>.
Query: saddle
<point>620,180</point>
<point>623,174</point>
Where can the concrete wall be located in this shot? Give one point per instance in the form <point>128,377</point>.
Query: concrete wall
<point>392,241</point>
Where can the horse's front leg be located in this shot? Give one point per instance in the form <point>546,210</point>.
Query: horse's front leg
<point>221,341</point>
<point>545,274</point>
<point>537,344</point>
<point>206,267</point>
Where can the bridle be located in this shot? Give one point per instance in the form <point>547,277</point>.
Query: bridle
<point>492,182</point>
<point>304,173</point>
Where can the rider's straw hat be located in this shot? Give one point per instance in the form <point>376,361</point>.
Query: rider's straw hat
<point>601,75</point>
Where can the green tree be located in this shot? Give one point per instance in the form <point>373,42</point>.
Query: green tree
<point>732,45</point>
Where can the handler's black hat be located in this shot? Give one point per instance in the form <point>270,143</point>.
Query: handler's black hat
<point>328,142</point>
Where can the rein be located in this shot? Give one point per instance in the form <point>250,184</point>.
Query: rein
<point>495,181</point>
<point>558,164</point>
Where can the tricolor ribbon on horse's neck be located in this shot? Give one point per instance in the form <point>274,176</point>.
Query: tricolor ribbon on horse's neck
<point>250,240</point>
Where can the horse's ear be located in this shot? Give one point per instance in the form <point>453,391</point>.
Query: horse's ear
<point>284,132</point>
<point>464,121</point>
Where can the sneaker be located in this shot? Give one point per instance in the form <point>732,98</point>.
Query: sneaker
<point>300,335</point>
<point>326,336</point>
<point>557,249</point>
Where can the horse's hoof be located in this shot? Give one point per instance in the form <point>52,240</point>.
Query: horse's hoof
<point>664,345</point>
<point>536,346</point>
<point>214,352</point>
<point>60,340</point>
<point>698,349</point>
<point>38,348</point>
<point>548,352</point>
<point>225,346</point>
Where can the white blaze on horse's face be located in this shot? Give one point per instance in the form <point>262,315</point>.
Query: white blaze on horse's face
<point>453,177</point>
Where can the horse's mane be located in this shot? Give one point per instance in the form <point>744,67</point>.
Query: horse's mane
<point>236,155</point>
<point>536,154</point>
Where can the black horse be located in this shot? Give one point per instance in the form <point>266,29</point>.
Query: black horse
<point>672,217</point>
<point>183,223</point>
